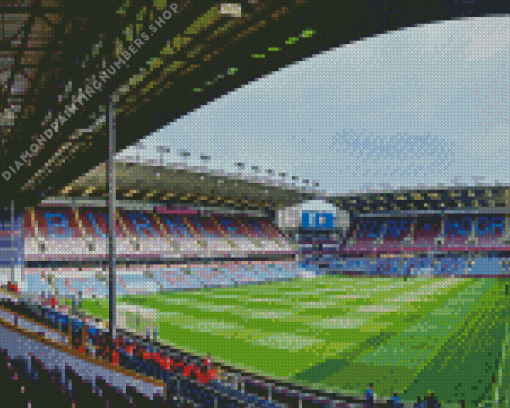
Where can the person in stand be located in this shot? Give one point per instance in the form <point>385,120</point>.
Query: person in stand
<point>370,397</point>
<point>431,401</point>
<point>396,403</point>
<point>207,361</point>
<point>419,403</point>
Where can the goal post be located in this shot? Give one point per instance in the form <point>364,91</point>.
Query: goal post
<point>137,319</point>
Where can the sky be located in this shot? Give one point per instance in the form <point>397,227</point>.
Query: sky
<point>421,106</point>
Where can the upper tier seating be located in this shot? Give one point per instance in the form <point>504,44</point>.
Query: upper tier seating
<point>76,234</point>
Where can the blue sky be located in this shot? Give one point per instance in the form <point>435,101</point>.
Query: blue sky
<point>420,106</point>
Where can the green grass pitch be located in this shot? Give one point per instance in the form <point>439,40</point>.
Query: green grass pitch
<point>341,333</point>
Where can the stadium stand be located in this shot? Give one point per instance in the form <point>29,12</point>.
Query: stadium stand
<point>411,266</point>
<point>423,234</point>
<point>182,373</point>
<point>426,230</point>
<point>81,234</point>
<point>364,237</point>
<point>457,232</point>
<point>143,279</point>
<point>396,231</point>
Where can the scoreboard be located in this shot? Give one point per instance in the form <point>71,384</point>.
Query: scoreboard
<point>317,219</point>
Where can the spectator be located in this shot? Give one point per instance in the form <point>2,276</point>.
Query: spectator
<point>419,403</point>
<point>396,403</point>
<point>207,361</point>
<point>370,397</point>
<point>431,401</point>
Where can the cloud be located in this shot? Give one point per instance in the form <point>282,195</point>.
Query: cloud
<point>491,36</point>
<point>398,109</point>
<point>494,144</point>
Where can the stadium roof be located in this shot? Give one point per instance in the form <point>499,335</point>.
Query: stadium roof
<point>56,50</point>
<point>181,184</point>
<point>478,198</point>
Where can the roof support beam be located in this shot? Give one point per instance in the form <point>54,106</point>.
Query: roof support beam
<point>112,209</point>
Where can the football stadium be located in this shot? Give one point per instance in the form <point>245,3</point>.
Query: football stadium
<point>377,290</point>
<point>144,283</point>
